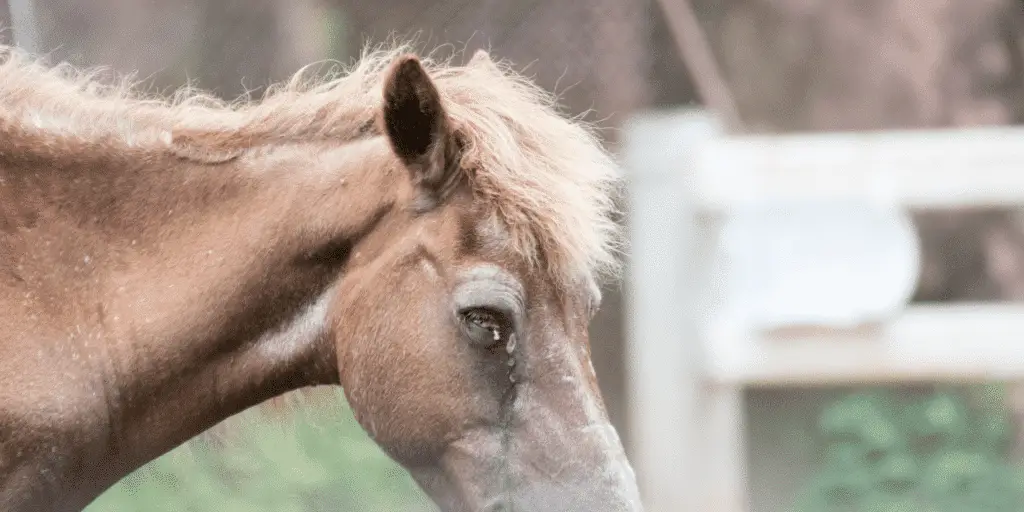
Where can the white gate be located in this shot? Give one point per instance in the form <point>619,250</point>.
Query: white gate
<point>697,337</point>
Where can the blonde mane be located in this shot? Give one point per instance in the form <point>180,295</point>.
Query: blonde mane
<point>551,184</point>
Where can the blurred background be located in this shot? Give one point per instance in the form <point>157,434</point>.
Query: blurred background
<point>765,67</point>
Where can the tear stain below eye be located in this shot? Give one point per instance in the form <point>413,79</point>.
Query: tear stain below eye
<point>510,347</point>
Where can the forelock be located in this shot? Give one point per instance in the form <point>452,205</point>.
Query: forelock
<point>544,177</point>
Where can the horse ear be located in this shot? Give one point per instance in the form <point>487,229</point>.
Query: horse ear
<point>416,122</point>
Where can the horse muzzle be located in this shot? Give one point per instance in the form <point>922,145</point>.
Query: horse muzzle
<point>580,471</point>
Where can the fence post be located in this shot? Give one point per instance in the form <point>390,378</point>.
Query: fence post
<point>664,292</point>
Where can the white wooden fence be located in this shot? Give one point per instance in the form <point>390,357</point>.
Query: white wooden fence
<point>687,373</point>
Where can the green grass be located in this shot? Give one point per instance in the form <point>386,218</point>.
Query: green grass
<point>310,460</point>
<point>944,451</point>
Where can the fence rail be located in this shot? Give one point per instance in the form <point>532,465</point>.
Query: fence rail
<point>970,342</point>
<point>916,169</point>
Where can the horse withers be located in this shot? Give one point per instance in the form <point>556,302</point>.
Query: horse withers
<point>429,236</point>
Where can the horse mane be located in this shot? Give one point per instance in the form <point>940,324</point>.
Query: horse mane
<point>551,185</point>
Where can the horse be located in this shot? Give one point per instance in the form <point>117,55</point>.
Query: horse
<point>428,235</point>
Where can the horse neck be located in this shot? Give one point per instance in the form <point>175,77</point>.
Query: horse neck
<point>177,294</point>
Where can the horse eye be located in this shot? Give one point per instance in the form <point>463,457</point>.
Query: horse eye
<point>485,328</point>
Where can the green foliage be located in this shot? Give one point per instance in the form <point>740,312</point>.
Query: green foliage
<point>310,461</point>
<point>943,452</point>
